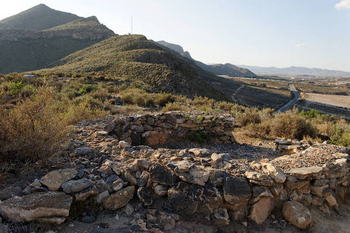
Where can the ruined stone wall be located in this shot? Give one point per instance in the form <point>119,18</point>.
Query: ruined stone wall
<point>173,127</point>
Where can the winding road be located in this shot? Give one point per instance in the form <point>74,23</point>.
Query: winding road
<point>292,102</point>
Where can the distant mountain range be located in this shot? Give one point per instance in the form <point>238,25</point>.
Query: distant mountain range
<point>218,69</point>
<point>295,71</point>
<point>37,37</point>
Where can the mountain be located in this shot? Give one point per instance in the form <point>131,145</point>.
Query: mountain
<point>134,60</point>
<point>230,70</point>
<point>40,17</point>
<point>218,69</point>
<point>176,48</point>
<point>40,36</point>
<point>297,71</point>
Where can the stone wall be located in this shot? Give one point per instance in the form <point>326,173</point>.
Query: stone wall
<point>173,127</point>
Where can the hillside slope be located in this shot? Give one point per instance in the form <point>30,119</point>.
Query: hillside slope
<point>230,70</point>
<point>39,17</point>
<point>142,62</point>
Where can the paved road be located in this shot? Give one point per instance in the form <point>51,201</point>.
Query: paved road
<point>292,102</point>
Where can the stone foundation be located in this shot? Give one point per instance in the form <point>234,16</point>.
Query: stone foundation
<point>171,128</point>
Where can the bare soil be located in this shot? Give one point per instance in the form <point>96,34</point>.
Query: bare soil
<point>336,100</point>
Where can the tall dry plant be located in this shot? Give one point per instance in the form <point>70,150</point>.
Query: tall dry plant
<point>32,130</point>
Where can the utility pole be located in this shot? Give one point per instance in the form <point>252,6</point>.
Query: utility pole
<point>131,24</point>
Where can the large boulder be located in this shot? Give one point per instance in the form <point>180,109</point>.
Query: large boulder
<point>162,175</point>
<point>184,198</point>
<point>55,179</point>
<point>297,214</point>
<point>154,138</point>
<point>261,210</point>
<point>237,191</point>
<point>119,199</point>
<point>37,206</point>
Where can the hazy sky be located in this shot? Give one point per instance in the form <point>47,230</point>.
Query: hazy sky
<point>281,33</point>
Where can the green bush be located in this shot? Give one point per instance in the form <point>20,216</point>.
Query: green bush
<point>87,89</point>
<point>292,125</point>
<point>163,99</point>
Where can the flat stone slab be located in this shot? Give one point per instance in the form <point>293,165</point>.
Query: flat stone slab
<point>75,186</point>
<point>36,205</point>
<point>306,172</point>
<point>55,179</point>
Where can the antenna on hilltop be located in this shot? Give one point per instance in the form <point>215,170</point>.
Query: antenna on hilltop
<point>131,24</point>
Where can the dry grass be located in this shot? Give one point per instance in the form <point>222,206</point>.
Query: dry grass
<point>32,130</point>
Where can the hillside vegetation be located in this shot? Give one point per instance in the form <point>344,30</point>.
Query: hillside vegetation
<point>134,59</point>
<point>90,24</point>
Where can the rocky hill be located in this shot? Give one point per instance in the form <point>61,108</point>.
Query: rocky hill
<point>39,36</point>
<point>230,70</point>
<point>134,58</point>
<point>218,69</point>
<point>40,17</point>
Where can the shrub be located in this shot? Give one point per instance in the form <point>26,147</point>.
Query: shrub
<point>32,130</point>
<point>339,133</point>
<point>87,89</point>
<point>163,99</point>
<point>173,107</point>
<point>292,125</point>
<point>100,94</point>
<point>251,116</point>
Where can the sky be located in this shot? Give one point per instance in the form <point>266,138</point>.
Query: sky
<point>280,33</point>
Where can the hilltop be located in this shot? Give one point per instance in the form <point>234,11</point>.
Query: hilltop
<point>40,17</point>
<point>134,59</point>
<point>37,37</point>
<point>218,69</point>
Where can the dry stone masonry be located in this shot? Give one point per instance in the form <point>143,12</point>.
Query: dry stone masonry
<point>169,128</point>
<point>110,173</point>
